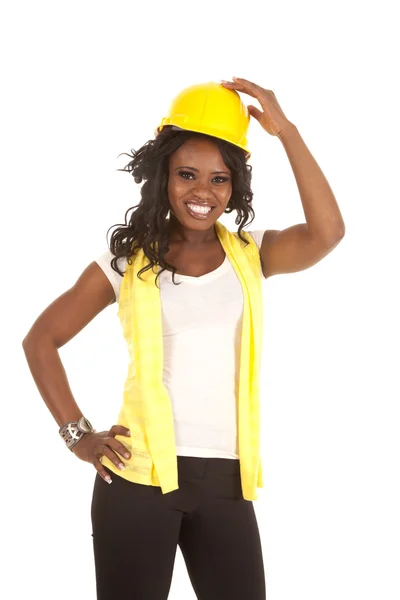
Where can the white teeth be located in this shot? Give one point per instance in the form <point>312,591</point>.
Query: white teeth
<point>200,209</point>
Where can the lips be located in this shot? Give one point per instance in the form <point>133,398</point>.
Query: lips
<point>199,215</point>
<point>200,203</point>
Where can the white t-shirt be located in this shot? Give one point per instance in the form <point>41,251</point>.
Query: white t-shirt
<point>202,323</point>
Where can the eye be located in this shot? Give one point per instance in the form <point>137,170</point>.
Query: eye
<point>183,173</point>
<point>221,179</point>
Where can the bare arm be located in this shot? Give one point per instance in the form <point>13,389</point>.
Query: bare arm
<point>59,323</point>
<point>63,319</point>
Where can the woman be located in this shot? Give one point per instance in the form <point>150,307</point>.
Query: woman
<point>183,458</point>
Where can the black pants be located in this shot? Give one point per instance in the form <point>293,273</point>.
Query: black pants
<point>136,530</point>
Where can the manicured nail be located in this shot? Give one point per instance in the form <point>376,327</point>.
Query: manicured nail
<point>121,466</point>
<point>126,454</point>
<point>108,479</point>
<point>128,433</point>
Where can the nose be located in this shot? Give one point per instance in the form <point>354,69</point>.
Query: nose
<point>202,190</point>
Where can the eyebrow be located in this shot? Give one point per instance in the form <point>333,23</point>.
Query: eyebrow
<point>197,170</point>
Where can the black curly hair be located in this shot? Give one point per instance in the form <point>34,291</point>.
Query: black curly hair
<point>148,224</point>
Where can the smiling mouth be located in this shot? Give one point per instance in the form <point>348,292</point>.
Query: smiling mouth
<point>198,214</point>
<point>201,205</point>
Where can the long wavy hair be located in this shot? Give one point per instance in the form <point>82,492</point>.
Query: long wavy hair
<point>148,223</point>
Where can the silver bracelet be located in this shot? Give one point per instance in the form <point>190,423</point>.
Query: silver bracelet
<point>73,431</point>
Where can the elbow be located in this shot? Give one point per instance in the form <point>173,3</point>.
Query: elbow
<point>341,233</point>
<point>36,341</point>
<point>28,342</point>
<point>336,237</point>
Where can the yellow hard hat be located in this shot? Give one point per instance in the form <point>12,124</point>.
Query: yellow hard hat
<point>212,109</point>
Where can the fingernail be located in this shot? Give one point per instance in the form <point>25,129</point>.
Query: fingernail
<point>126,454</point>
<point>108,479</point>
<point>121,466</point>
<point>128,433</point>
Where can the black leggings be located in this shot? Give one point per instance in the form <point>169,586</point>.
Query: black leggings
<point>136,530</point>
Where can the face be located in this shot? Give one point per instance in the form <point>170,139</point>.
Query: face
<point>197,174</point>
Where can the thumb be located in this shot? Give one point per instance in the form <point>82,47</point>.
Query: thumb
<point>254,112</point>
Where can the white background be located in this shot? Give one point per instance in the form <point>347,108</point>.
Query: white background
<point>81,83</point>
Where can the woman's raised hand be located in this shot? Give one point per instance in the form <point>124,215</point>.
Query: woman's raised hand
<point>271,118</point>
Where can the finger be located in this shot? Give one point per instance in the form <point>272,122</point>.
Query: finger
<point>114,458</point>
<point>118,447</point>
<point>255,112</point>
<point>119,430</point>
<point>241,87</point>
<point>244,81</point>
<point>238,82</point>
<point>248,84</point>
<point>103,474</point>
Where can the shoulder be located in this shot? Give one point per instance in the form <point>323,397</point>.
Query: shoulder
<point>104,262</point>
<point>257,236</point>
<point>106,258</point>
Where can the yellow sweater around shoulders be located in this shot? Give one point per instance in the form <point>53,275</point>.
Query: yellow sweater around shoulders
<point>146,407</point>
